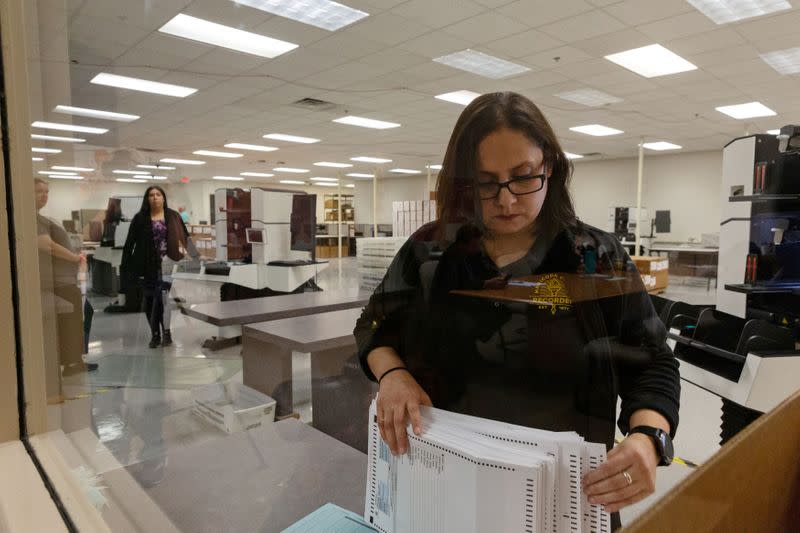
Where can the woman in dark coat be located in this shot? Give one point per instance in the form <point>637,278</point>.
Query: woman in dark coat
<point>556,346</point>
<point>157,237</point>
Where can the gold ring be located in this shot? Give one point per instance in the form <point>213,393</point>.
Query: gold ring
<point>627,477</point>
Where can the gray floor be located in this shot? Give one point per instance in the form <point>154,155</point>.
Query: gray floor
<point>139,401</point>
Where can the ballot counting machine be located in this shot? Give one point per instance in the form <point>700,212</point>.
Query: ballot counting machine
<point>746,349</point>
<point>265,241</point>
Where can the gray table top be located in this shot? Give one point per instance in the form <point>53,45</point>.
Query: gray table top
<point>310,333</point>
<point>239,312</point>
<point>262,480</point>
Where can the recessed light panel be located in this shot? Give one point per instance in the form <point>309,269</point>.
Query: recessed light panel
<point>661,146</point>
<point>323,14</point>
<point>56,138</point>
<point>360,175</point>
<point>596,130</point>
<point>481,64</point>
<point>365,159</point>
<point>363,122</point>
<point>332,165</point>
<point>253,147</point>
<point>36,150</point>
<point>131,180</point>
<point>573,156</point>
<point>204,31</point>
<point>256,174</point>
<point>291,170</point>
<point>651,61</point>
<point>589,97</point>
<point>458,97</point>
<point>76,169</point>
<point>434,167</point>
<point>227,178</point>
<point>290,138</point>
<point>95,113</point>
<point>405,171</point>
<point>748,110</point>
<point>325,179</point>
<point>212,153</point>
<point>725,11</point>
<point>784,61</point>
<point>182,161</point>
<point>67,127</point>
<point>292,182</point>
<point>156,167</point>
<point>146,86</point>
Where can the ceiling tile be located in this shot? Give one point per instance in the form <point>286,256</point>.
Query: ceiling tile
<point>522,44</point>
<point>720,39</point>
<point>436,44</point>
<point>556,57</point>
<point>634,12</point>
<point>613,42</point>
<point>678,26</point>
<point>537,13</point>
<point>767,27</point>
<point>388,28</point>
<point>485,27</point>
<point>440,13</point>
<point>583,26</point>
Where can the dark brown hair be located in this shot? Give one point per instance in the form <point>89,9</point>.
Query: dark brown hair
<point>146,202</point>
<point>455,192</point>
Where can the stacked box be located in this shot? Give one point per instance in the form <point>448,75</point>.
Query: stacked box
<point>654,271</point>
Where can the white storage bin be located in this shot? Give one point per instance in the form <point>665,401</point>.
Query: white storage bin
<point>232,407</point>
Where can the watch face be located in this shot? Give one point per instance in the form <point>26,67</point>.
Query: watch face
<point>666,446</point>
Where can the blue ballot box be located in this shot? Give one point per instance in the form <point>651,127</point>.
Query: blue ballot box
<point>331,518</point>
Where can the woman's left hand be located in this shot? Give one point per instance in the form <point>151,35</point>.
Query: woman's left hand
<point>627,476</point>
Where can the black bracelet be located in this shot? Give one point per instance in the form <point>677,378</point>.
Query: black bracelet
<point>390,371</point>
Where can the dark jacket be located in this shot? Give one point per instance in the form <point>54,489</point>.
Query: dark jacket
<point>139,256</point>
<point>555,356</point>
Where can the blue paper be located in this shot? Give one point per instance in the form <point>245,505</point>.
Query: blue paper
<point>330,518</point>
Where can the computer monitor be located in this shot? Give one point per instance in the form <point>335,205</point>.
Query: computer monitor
<point>256,236</point>
<point>663,222</point>
<point>303,223</point>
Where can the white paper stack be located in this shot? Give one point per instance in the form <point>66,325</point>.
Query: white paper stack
<point>470,474</point>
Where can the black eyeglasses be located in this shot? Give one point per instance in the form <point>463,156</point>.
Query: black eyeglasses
<point>518,186</point>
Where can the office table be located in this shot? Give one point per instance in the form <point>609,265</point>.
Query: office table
<point>695,252</point>
<point>230,316</point>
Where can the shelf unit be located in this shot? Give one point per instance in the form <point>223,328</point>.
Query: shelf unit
<point>204,237</point>
<point>331,208</point>
<point>764,198</point>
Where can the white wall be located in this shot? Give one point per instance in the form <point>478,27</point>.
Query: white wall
<point>389,190</point>
<point>686,184</point>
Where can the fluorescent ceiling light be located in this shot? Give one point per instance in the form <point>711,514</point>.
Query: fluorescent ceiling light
<point>182,161</point>
<point>37,159</point>
<point>651,61</point>
<point>434,167</point>
<point>325,184</point>
<point>661,145</point>
<point>146,86</point>
<point>724,11</point>
<point>45,150</point>
<point>95,113</point>
<point>256,174</point>
<point>570,155</point>
<point>360,175</point>
<point>149,177</point>
<point>65,177</point>
<point>77,169</point>
<point>212,153</point>
<point>405,171</point>
<point>596,130</point>
<point>293,182</point>
<point>290,138</point>
<point>365,159</point>
<point>589,97</point>
<point>205,31</point>
<point>748,110</point>
<point>67,127</point>
<point>54,173</point>
<point>784,61</point>
<point>351,185</point>
<point>458,97</point>
<point>228,178</point>
<point>157,167</point>
<point>773,132</point>
<point>291,170</point>
<point>332,165</point>
<point>131,180</point>
<point>481,64</point>
<point>325,179</point>
<point>55,138</point>
<point>351,120</point>
<point>323,14</point>
<point>126,172</point>
<point>254,147</point>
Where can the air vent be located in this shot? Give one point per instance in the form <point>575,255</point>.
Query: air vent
<point>315,104</point>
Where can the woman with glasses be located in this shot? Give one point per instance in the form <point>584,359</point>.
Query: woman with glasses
<point>570,332</point>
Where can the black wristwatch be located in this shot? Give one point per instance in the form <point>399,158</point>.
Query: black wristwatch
<point>662,441</point>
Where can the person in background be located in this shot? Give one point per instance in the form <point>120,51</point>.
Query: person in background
<point>184,214</point>
<point>59,269</point>
<point>556,356</point>
<point>157,237</point>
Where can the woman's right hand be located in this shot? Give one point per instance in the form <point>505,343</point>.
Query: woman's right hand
<point>399,399</point>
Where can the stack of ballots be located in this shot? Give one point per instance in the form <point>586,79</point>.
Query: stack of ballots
<point>470,474</point>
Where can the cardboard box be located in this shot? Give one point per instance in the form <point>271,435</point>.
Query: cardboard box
<point>650,264</point>
<point>232,407</point>
<point>332,204</point>
<point>751,484</point>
